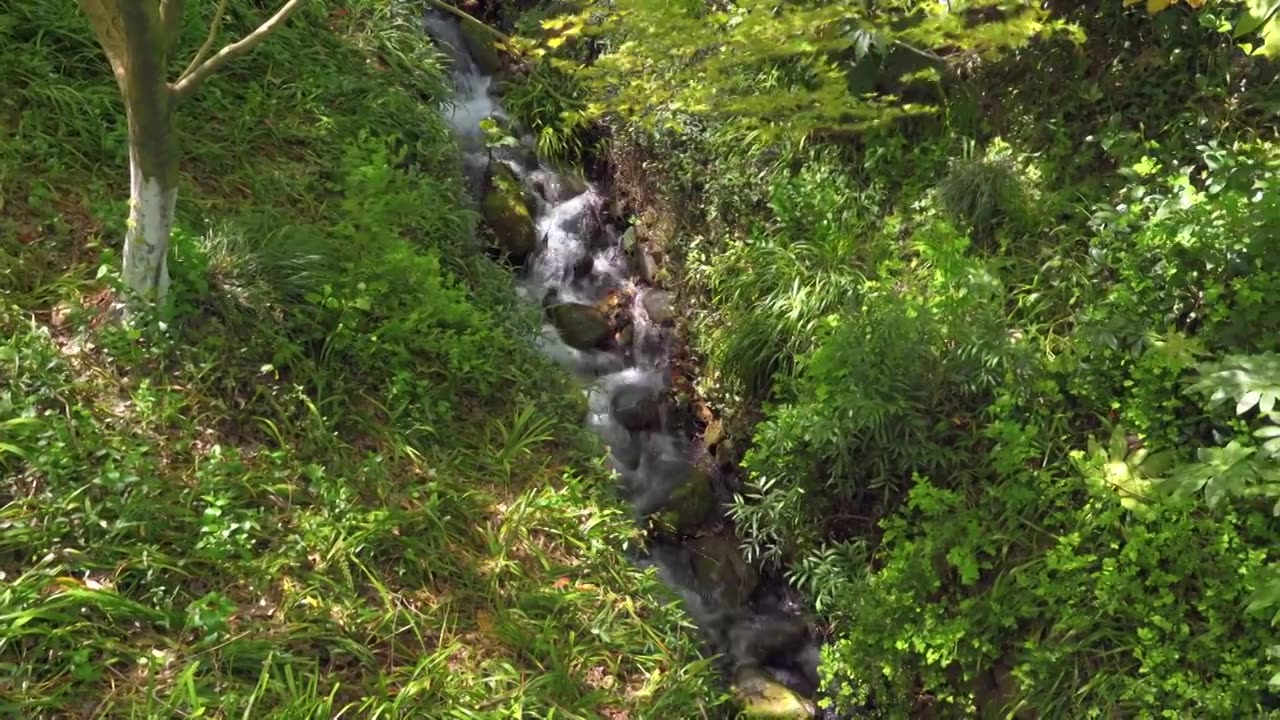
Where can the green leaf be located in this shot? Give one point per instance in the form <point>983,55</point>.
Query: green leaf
<point>1248,379</point>
<point>1158,463</point>
<point>1268,592</point>
<point>1255,15</point>
<point>1247,401</point>
<point>1119,445</point>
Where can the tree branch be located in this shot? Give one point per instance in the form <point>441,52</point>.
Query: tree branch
<point>189,81</point>
<point>207,47</point>
<point>464,17</point>
<point>922,53</point>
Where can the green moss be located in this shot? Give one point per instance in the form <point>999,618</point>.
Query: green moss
<point>506,212</point>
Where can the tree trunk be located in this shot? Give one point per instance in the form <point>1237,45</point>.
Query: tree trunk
<point>133,33</point>
<point>153,193</point>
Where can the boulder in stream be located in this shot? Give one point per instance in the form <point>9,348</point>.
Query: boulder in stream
<point>507,215</point>
<point>581,326</point>
<point>658,306</point>
<point>760,637</point>
<point>721,570</point>
<point>583,267</point>
<point>689,505</point>
<point>636,407</point>
<point>764,698</point>
<point>626,451</point>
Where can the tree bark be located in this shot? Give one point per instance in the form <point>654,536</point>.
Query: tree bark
<point>135,37</point>
<point>153,195</point>
<point>153,161</point>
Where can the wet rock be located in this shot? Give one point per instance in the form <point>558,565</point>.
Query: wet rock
<point>581,326</point>
<point>521,156</point>
<point>721,570</point>
<point>764,698</point>
<point>636,407</point>
<point>650,346</point>
<point>594,232</point>
<point>657,305</point>
<point>760,638</point>
<point>550,297</point>
<point>794,679</point>
<point>479,42</point>
<point>689,505</point>
<point>582,268</point>
<point>628,241</point>
<point>627,336</point>
<point>626,452</point>
<point>556,188</point>
<point>507,215</point>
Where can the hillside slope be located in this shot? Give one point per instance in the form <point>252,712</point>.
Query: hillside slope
<point>330,477</point>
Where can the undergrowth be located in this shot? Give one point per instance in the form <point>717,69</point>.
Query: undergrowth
<point>1012,363</point>
<point>330,477</point>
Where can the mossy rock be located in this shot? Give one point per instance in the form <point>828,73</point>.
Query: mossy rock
<point>719,566</point>
<point>581,326</point>
<point>689,506</point>
<point>507,214</point>
<point>764,698</point>
<point>480,45</point>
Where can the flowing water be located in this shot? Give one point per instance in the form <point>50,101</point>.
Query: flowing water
<point>753,622</point>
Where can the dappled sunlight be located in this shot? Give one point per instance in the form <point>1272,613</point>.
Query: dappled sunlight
<point>639,360</point>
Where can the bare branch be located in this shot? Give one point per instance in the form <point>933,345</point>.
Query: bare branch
<point>207,47</point>
<point>466,18</point>
<point>922,53</point>
<point>171,18</point>
<point>189,81</point>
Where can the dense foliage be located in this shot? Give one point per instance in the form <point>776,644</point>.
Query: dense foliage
<point>330,477</point>
<point>1007,364</point>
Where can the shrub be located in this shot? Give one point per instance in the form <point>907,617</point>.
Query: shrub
<point>985,193</point>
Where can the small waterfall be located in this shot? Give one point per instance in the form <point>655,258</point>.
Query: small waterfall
<point>582,262</point>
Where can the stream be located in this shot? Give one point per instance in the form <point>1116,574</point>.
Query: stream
<point>614,332</point>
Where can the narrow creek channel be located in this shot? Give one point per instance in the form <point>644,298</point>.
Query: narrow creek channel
<point>613,331</point>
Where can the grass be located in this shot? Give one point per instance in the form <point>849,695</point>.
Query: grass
<point>331,478</point>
